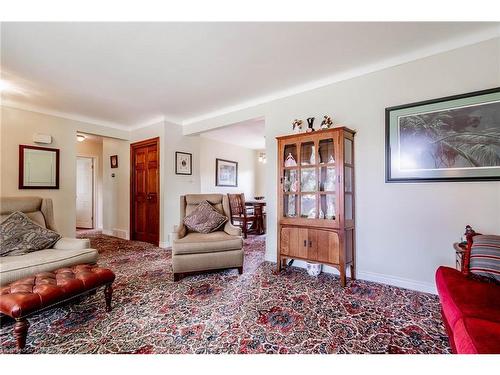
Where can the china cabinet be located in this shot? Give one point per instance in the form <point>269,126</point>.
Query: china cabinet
<point>316,199</point>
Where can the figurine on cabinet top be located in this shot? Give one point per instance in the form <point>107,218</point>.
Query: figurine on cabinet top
<point>297,126</point>
<point>310,122</point>
<point>326,123</point>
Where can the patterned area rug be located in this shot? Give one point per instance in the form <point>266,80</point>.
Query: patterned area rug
<point>257,312</point>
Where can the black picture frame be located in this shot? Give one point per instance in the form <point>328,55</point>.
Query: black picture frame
<point>222,180</point>
<point>113,161</point>
<point>22,183</point>
<point>447,104</point>
<point>180,158</point>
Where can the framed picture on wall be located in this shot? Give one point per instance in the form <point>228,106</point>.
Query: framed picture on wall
<point>226,173</point>
<point>38,167</point>
<point>114,161</point>
<point>456,138</point>
<point>183,163</point>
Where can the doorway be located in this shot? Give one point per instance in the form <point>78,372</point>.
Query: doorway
<point>145,191</point>
<point>85,192</point>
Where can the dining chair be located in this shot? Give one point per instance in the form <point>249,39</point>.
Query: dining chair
<point>240,215</point>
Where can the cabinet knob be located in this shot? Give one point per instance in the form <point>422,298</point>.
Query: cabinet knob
<point>305,243</point>
<point>310,243</point>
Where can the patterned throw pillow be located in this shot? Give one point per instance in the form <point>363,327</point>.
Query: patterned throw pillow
<point>19,235</point>
<point>204,219</point>
<point>485,256</point>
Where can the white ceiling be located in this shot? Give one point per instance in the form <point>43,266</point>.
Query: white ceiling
<point>249,134</point>
<point>131,74</point>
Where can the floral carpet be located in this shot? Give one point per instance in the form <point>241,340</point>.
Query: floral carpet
<point>223,312</point>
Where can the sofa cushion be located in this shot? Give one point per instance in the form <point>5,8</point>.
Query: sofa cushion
<point>20,235</point>
<point>218,241</point>
<point>17,267</point>
<point>204,219</point>
<point>473,335</point>
<point>485,256</point>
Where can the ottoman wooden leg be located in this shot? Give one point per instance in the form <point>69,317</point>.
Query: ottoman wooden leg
<point>108,293</point>
<point>21,332</point>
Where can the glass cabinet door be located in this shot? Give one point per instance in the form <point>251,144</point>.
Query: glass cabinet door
<point>326,154</point>
<point>307,154</point>
<point>290,156</point>
<point>290,205</point>
<point>348,180</point>
<point>308,206</point>
<point>308,181</point>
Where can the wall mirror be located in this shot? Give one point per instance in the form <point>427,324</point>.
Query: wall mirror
<point>38,167</point>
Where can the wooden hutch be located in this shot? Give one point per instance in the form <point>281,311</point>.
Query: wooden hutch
<point>316,199</point>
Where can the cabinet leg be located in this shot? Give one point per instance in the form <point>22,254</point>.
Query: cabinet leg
<point>21,332</point>
<point>278,265</point>
<point>342,278</point>
<point>108,294</point>
<point>353,272</point>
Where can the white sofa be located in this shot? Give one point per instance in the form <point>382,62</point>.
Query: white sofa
<point>66,252</point>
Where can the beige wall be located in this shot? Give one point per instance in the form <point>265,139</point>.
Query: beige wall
<point>403,231</point>
<point>93,148</point>
<point>211,150</point>
<point>18,127</point>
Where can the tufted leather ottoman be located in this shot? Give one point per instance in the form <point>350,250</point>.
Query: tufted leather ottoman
<point>33,294</point>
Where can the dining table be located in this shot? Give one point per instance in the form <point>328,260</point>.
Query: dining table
<point>259,211</point>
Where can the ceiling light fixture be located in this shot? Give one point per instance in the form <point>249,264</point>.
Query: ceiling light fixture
<point>4,85</point>
<point>80,137</point>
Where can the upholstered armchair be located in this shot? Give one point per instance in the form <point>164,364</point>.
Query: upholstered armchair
<point>65,252</point>
<point>194,252</point>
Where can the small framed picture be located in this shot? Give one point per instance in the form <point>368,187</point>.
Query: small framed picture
<point>114,161</point>
<point>183,163</point>
<point>226,172</point>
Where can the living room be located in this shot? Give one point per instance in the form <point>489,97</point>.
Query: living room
<point>249,188</point>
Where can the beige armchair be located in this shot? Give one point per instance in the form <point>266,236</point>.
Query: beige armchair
<point>65,252</point>
<point>194,252</point>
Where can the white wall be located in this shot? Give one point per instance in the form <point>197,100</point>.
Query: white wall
<point>18,127</point>
<point>177,185</point>
<point>403,231</point>
<point>260,175</point>
<point>93,148</point>
<point>211,150</point>
<point>116,194</point>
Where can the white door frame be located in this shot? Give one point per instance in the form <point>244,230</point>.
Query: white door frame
<point>94,188</point>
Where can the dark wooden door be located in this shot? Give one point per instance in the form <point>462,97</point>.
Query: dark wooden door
<point>145,191</point>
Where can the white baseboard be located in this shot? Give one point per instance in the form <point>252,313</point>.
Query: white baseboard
<point>120,233</point>
<point>400,282</point>
<point>165,245</point>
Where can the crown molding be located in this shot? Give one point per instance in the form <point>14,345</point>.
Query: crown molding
<point>435,49</point>
<point>65,115</point>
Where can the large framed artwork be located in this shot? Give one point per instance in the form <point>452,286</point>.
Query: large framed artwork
<point>183,163</point>
<point>456,138</point>
<point>38,167</point>
<point>226,173</point>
